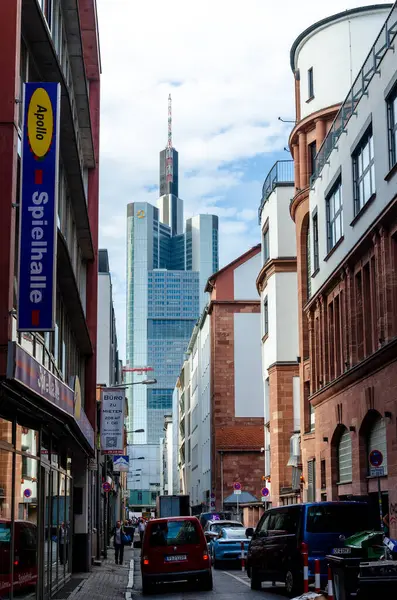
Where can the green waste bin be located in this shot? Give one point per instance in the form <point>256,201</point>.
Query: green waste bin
<point>367,544</point>
<point>377,579</point>
<point>345,571</point>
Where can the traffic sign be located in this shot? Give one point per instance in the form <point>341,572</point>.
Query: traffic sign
<point>27,493</point>
<point>265,491</point>
<point>237,486</point>
<point>106,487</point>
<point>376,458</point>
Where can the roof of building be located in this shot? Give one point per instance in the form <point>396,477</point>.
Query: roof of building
<point>243,498</point>
<point>244,437</point>
<point>240,259</point>
<point>345,14</point>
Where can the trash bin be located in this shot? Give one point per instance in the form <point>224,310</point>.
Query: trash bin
<point>377,579</point>
<point>345,571</point>
<point>367,544</point>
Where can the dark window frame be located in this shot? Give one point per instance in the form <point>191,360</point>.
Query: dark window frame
<point>360,173</point>
<point>265,316</point>
<point>266,245</point>
<point>392,126</point>
<point>334,215</point>
<point>312,152</point>
<point>310,83</point>
<point>316,253</point>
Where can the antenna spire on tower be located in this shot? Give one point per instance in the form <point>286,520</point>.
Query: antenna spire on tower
<point>169,152</point>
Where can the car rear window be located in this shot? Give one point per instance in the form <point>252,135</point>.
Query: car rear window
<point>5,533</point>
<point>174,533</point>
<point>338,518</point>
<point>237,534</point>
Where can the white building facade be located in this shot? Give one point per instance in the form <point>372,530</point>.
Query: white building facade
<point>277,284</point>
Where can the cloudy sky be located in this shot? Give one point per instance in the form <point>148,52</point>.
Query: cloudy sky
<point>226,63</point>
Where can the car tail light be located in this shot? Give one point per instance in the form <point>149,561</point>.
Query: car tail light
<point>145,560</point>
<point>16,563</point>
<point>304,548</point>
<point>205,556</point>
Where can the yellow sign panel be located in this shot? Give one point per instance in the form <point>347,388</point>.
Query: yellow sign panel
<point>140,214</point>
<point>40,123</point>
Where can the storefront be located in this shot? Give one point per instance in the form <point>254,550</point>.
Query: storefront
<point>45,484</point>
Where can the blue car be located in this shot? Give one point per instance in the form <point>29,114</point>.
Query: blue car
<point>227,546</point>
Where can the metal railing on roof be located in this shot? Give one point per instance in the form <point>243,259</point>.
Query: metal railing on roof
<point>282,172</point>
<point>359,88</point>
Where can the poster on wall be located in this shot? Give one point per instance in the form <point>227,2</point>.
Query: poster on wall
<point>38,207</point>
<point>112,420</point>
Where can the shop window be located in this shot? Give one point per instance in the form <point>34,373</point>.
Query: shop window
<point>377,441</point>
<point>345,464</point>
<point>334,208</point>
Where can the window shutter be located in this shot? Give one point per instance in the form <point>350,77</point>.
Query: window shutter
<point>311,480</point>
<point>345,464</point>
<point>377,441</point>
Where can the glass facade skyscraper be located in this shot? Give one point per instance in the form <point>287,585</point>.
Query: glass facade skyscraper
<point>166,277</point>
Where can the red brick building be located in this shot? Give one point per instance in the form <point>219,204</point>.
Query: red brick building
<point>237,407</point>
<point>346,219</point>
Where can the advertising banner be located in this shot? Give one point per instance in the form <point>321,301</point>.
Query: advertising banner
<point>112,420</point>
<point>121,463</point>
<point>38,207</point>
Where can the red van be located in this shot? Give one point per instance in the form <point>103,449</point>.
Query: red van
<point>25,555</point>
<point>175,549</point>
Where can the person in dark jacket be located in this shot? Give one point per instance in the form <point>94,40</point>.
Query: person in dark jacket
<point>118,533</point>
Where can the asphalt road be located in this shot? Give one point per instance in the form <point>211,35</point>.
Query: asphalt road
<point>228,585</point>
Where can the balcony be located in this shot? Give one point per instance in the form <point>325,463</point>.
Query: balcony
<point>370,68</point>
<point>281,174</point>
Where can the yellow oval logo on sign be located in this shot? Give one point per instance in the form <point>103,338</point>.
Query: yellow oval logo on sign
<point>40,123</point>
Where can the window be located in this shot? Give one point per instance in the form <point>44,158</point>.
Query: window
<point>316,260</point>
<point>334,215</point>
<point>392,126</point>
<point>310,84</point>
<point>334,518</point>
<point>377,441</point>
<point>311,480</point>
<point>323,474</point>
<point>345,467</point>
<point>363,171</point>
<point>265,246</point>
<point>265,316</point>
<point>174,533</point>
<point>312,157</point>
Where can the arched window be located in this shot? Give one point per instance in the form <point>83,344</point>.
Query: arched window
<point>345,466</point>
<point>377,441</point>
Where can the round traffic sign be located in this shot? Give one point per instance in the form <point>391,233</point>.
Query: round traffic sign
<point>27,493</point>
<point>212,495</point>
<point>265,491</point>
<point>376,458</point>
<point>237,485</point>
<point>106,487</point>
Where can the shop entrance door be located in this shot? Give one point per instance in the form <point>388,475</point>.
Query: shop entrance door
<point>44,529</point>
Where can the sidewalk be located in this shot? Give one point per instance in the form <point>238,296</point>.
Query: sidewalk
<point>107,582</point>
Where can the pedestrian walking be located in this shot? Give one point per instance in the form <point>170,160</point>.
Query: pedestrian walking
<point>141,529</point>
<point>118,535</point>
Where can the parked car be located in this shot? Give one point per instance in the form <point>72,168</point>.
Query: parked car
<point>25,555</point>
<point>175,549</point>
<point>227,545</point>
<point>285,533</point>
<point>213,516</point>
<point>216,526</point>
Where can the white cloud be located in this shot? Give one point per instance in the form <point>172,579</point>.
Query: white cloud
<point>227,66</point>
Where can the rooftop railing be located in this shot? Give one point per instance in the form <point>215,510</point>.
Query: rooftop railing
<point>281,173</point>
<point>359,89</point>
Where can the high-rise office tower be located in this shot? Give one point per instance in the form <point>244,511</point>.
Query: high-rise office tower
<point>167,270</point>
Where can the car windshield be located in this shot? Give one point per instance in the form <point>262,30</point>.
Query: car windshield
<point>337,518</point>
<point>173,533</point>
<point>237,534</point>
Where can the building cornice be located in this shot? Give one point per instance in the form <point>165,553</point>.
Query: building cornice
<point>233,303</point>
<point>285,264</point>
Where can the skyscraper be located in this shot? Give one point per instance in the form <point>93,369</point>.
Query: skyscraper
<point>166,274</point>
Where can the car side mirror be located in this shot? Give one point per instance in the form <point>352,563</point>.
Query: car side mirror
<point>249,532</point>
<point>263,534</point>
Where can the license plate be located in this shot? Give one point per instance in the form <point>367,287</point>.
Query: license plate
<point>342,551</point>
<point>175,558</point>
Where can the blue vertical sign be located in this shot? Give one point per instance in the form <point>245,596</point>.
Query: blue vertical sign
<point>38,207</point>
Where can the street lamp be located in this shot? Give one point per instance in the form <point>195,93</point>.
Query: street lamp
<point>136,431</point>
<point>144,382</point>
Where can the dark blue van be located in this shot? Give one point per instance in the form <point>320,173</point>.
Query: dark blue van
<point>285,533</point>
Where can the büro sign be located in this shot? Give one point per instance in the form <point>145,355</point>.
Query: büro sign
<point>112,420</point>
<point>38,207</point>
